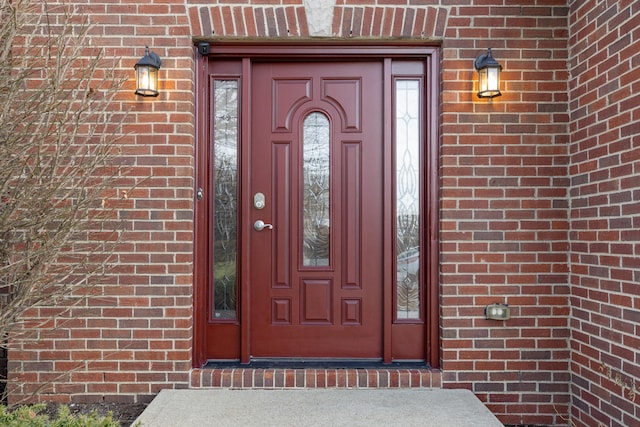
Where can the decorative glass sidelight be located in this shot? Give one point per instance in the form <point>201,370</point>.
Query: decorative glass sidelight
<point>407,178</point>
<point>225,156</point>
<point>315,173</point>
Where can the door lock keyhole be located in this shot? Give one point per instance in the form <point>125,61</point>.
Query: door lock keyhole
<point>259,201</point>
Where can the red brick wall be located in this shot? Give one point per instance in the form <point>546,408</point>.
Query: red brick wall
<point>136,339</point>
<point>604,56</point>
<point>504,211</point>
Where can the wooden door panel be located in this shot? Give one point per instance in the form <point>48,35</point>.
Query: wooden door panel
<point>280,311</point>
<point>281,197</point>
<point>288,95</point>
<point>316,306</point>
<point>346,96</point>
<point>351,311</point>
<point>351,243</point>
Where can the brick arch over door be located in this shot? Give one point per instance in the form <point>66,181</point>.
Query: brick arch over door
<point>428,22</point>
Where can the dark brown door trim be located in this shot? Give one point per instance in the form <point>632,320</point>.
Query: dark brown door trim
<point>247,52</point>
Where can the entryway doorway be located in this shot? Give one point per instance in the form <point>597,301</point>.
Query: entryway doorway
<point>316,203</point>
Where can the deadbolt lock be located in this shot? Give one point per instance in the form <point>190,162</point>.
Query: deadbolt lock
<point>258,201</point>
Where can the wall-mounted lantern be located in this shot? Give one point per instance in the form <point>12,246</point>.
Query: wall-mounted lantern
<point>147,74</point>
<point>488,75</point>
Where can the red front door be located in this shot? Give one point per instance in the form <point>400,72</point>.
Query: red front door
<point>315,178</point>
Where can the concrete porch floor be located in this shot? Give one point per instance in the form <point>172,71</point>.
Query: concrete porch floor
<point>317,407</point>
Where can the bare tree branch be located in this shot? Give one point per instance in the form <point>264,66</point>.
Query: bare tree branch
<point>58,159</point>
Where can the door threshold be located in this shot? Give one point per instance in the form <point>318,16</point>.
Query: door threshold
<point>305,363</point>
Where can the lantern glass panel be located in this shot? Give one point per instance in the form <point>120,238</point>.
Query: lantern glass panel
<point>147,80</point>
<point>482,80</point>
<point>489,82</point>
<point>143,78</point>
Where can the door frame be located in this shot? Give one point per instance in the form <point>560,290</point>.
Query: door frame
<point>307,50</point>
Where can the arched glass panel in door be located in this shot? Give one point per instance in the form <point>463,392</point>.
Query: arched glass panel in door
<point>316,221</point>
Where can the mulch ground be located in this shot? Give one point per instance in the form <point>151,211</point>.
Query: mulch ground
<point>126,413</point>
